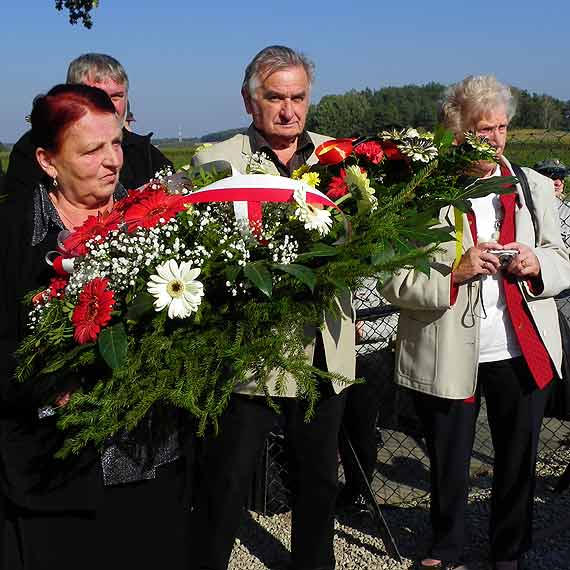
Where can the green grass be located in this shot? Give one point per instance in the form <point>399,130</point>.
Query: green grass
<point>4,159</point>
<point>524,146</point>
<point>179,155</point>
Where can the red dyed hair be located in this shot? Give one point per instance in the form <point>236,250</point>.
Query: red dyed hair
<point>61,107</point>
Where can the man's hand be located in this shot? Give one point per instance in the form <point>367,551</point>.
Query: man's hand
<point>358,331</point>
<point>477,261</point>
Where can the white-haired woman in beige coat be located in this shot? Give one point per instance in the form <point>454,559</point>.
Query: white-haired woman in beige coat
<point>484,322</point>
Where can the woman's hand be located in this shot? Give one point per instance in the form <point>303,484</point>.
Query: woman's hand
<point>525,265</point>
<point>477,261</point>
<point>62,399</point>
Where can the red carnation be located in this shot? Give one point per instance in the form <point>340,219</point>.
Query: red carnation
<point>93,310</point>
<point>392,151</point>
<point>372,150</point>
<point>92,227</point>
<point>337,186</point>
<point>56,287</point>
<point>156,205</point>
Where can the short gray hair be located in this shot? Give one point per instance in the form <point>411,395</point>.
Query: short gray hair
<point>466,102</point>
<point>272,59</point>
<point>96,67</point>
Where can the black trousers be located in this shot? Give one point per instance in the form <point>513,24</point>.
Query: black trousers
<point>141,525</point>
<point>360,415</point>
<point>228,462</point>
<point>515,407</point>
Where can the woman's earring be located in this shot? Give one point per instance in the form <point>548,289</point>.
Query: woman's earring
<point>54,182</point>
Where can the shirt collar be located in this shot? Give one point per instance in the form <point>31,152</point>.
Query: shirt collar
<point>258,142</point>
<point>305,148</point>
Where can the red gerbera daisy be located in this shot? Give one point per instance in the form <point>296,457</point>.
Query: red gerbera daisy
<point>93,310</point>
<point>147,212</point>
<point>337,186</point>
<point>93,226</point>
<point>372,150</point>
<point>137,196</point>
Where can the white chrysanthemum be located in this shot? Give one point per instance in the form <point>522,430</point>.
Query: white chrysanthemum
<point>418,149</point>
<point>398,135</point>
<point>480,144</point>
<point>359,185</point>
<point>312,217</point>
<point>176,287</point>
<point>404,134</point>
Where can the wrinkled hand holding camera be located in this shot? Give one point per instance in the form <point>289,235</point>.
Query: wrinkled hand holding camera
<point>505,255</point>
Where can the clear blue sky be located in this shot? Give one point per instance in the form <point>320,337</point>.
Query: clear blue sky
<point>185,59</point>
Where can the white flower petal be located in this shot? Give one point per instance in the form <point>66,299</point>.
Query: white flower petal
<point>180,303</point>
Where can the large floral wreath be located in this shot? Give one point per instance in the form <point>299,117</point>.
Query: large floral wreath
<point>168,300</point>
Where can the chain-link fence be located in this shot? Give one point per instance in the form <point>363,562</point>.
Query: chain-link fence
<point>401,475</point>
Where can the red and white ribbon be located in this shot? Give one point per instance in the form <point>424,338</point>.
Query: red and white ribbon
<point>249,191</point>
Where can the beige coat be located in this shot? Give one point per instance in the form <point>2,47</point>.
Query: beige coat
<point>237,151</point>
<point>338,334</point>
<point>438,344</point>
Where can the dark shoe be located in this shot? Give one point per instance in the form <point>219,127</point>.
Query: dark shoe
<point>352,504</point>
<point>507,565</point>
<point>443,565</point>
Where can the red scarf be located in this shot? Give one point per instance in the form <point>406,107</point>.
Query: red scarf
<point>532,347</point>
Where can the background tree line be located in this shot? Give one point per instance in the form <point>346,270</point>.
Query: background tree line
<point>368,111</point>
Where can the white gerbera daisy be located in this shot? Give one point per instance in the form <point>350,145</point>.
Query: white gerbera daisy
<point>176,287</point>
<point>314,218</point>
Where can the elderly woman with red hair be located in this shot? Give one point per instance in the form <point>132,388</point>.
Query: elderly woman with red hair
<point>98,508</point>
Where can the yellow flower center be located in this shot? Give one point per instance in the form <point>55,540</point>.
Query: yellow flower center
<point>175,288</point>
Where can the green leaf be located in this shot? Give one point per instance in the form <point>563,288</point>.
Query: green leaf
<point>232,272</point>
<point>141,306</point>
<point>382,255</point>
<point>382,278</point>
<point>319,249</point>
<point>443,138</point>
<point>112,344</point>
<point>339,285</point>
<point>423,266</point>
<point>462,205</point>
<point>302,273</point>
<point>428,235</point>
<point>63,359</point>
<point>495,184</point>
<point>259,275</point>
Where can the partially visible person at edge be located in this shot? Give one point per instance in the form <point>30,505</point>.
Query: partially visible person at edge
<point>556,171</point>
<point>484,327</point>
<point>276,90</point>
<point>2,179</point>
<point>141,161</point>
<point>99,508</point>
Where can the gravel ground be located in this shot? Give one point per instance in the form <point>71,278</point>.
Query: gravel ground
<point>263,541</point>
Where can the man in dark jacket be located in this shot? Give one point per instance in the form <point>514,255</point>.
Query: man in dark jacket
<point>141,159</point>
